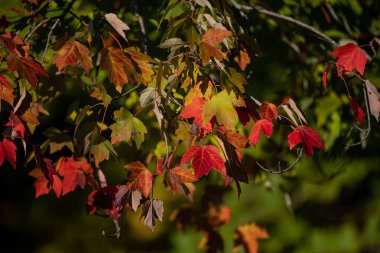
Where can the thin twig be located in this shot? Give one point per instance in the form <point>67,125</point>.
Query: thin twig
<point>286,18</point>
<point>280,170</point>
<point>48,40</point>
<point>142,27</point>
<point>27,37</point>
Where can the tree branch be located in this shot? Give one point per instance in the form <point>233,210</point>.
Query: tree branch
<point>259,9</point>
<point>280,170</point>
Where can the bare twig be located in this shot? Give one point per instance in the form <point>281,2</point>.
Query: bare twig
<point>280,170</point>
<point>27,37</point>
<point>286,18</point>
<point>142,27</point>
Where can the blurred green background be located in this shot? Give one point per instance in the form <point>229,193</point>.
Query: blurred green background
<point>328,203</point>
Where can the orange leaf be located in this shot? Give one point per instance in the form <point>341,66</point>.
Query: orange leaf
<point>6,90</point>
<point>215,36</point>
<point>73,53</point>
<point>244,59</point>
<point>117,63</point>
<point>247,235</point>
<point>209,42</point>
<point>140,178</point>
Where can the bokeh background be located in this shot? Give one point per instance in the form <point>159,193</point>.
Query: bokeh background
<point>328,203</point>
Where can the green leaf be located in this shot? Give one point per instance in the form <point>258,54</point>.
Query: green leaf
<point>127,127</point>
<point>221,106</point>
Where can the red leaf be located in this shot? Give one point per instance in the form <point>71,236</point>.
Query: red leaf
<point>350,57</point>
<point>102,199</point>
<point>247,113</point>
<point>203,159</point>
<point>194,110</point>
<point>140,179</point>
<point>357,111</point>
<point>74,173</point>
<point>18,127</point>
<point>27,68</point>
<point>308,137</point>
<point>262,125</point>
<point>8,150</point>
<point>268,111</point>
<point>43,186</point>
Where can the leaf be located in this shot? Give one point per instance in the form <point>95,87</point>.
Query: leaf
<point>357,111</point>
<point>153,209</point>
<point>44,164</point>
<point>8,150</point>
<point>117,24</point>
<point>140,179</point>
<point>268,111</point>
<point>209,42</point>
<point>6,91</point>
<point>194,110</point>
<point>262,125</point>
<point>100,93</point>
<point>43,186</point>
<point>350,57</point>
<point>27,68</point>
<point>144,72</point>
<point>172,43</point>
<point>58,140</point>
<point>203,159</point>
<point>73,53</point>
<point>179,178</point>
<point>297,111</point>
<point>373,99</point>
<point>248,235</point>
<point>74,173</point>
<point>101,148</point>
<point>117,64</point>
<point>244,59</point>
<point>126,127</point>
<point>17,126</point>
<point>221,106</point>
<point>308,137</point>
<point>126,197</point>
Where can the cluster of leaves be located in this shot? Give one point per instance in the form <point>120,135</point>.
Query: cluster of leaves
<point>196,101</point>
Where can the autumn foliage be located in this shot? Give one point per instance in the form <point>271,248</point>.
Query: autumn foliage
<point>193,103</point>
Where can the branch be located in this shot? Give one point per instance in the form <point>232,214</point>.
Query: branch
<point>286,18</point>
<point>280,170</point>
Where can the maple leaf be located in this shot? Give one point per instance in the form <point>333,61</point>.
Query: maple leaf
<point>144,72</point>
<point>8,150</point>
<point>43,186</point>
<point>218,216</point>
<point>373,99</point>
<point>350,57</point>
<point>268,111</point>
<point>357,111</point>
<point>14,44</point>
<point>6,91</point>
<point>117,64</point>
<point>247,235</point>
<point>308,137</point>
<point>209,42</point>
<point>194,110</point>
<point>203,159</point>
<point>18,127</point>
<point>179,178</point>
<point>262,125</point>
<point>73,53</point>
<point>126,127</point>
<point>153,209</point>
<point>140,178</point>
<point>247,113</point>
<point>117,24</point>
<point>101,149</point>
<point>126,197</point>
<point>74,173</point>
<point>27,68</point>
<point>244,59</point>
<point>221,106</point>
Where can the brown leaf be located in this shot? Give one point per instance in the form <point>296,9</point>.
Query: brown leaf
<point>153,209</point>
<point>117,24</point>
<point>373,99</point>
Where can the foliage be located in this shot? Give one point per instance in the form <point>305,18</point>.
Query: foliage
<point>167,92</point>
